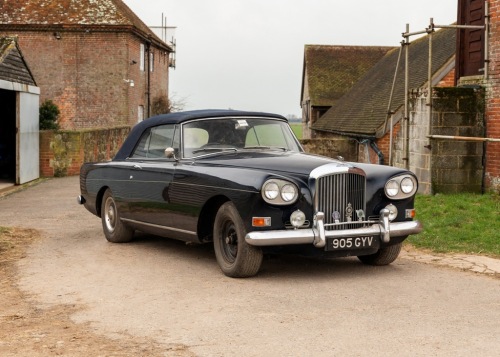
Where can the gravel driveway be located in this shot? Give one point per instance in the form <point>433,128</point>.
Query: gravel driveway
<point>175,294</point>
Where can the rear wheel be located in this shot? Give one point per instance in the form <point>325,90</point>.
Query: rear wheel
<point>236,258</point>
<point>384,256</point>
<point>114,229</point>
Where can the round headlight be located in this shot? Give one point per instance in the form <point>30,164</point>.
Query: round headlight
<point>271,190</point>
<point>288,193</point>
<point>279,192</point>
<point>297,218</point>
<point>407,185</point>
<point>391,188</point>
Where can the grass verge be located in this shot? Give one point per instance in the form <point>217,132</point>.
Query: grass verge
<point>462,223</point>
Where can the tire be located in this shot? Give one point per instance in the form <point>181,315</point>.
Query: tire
<point>384,256</point>
<point>236,258</point>
<point>114,229</point>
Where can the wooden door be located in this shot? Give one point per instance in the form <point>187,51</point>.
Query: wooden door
<point>470,42</point>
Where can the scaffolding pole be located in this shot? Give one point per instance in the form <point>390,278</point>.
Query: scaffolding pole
<point>463,138</point>
<point>429,30</point>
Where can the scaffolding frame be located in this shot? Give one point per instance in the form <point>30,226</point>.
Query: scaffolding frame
<point>405,44</point>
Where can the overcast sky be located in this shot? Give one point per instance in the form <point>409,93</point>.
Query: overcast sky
<point>248,54</point>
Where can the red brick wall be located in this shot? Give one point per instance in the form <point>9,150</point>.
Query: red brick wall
<point>493,99</point>
<point>63,152</point>
<point>448,80</point>
<point>384,143</point>
<point>84,73</point>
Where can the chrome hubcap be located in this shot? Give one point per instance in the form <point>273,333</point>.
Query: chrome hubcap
<point>110,215</point>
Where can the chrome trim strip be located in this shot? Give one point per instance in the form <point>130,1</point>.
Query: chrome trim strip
<point>332,169</point>
<point>207,186</point>
<point>158,226</point>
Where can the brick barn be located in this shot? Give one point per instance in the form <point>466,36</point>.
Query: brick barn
<point>99,63</point>
<point>95,59</point>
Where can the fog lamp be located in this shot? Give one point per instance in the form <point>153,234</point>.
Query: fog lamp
<point>393,212</point>
<point>297,218</point>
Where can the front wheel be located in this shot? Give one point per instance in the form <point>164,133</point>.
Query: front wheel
<point>236,258</point>
<point>384,256</point>
<point>114,229</point>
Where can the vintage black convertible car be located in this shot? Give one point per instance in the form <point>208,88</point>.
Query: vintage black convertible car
<point>242,181</point>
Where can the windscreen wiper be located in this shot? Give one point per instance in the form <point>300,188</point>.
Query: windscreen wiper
<point>266,147</point>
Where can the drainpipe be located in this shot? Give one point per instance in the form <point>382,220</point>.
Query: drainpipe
<point>407,113</point>
<point>486,39</point>
<point>148,92</point>
<point>379,153</point>
<point>371,141</point>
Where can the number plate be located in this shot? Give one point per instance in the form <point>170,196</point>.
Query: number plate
<point>351,243</point>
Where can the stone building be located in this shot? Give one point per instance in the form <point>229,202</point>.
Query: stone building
<point>451,138</point>
<point>373,108</point>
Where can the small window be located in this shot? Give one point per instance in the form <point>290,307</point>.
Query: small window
<point>141,57</point>
<point>140,113</point>
<point>154,142</point>
<point>151,61</point>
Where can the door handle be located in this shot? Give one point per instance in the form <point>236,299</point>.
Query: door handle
<point>137,167</point>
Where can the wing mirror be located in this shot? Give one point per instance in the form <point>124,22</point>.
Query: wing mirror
<point>170,153</point>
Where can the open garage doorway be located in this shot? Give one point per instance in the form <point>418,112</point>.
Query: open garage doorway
<point>7,137</point>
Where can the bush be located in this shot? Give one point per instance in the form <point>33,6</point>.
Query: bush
<point>160,105</point>
<point>164,105</point>
<point>49,113</point>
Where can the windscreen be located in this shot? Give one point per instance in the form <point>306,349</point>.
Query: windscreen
<point>204,137</point>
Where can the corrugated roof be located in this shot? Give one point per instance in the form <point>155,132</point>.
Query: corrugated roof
<point>333,70</point>
<point>72,13</point>
<point>13,67</point>
<point>363,109</point>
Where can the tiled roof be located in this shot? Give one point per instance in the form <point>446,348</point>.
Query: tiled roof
<point>71,14</point>
<point>332,70</point>
<point>363,109</point>
<point>13,67</point>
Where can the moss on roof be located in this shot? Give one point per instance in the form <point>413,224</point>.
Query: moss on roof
<point>71,14</point>
<point>332,70</point>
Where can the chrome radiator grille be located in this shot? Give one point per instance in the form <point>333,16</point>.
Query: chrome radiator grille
<point>339,197</point>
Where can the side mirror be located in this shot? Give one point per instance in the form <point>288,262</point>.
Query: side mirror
<point>170,153</point>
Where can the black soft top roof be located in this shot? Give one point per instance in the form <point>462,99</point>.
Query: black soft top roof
<point>180,117</point>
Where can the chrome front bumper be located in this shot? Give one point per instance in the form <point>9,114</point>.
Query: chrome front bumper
<point>318,235</point>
